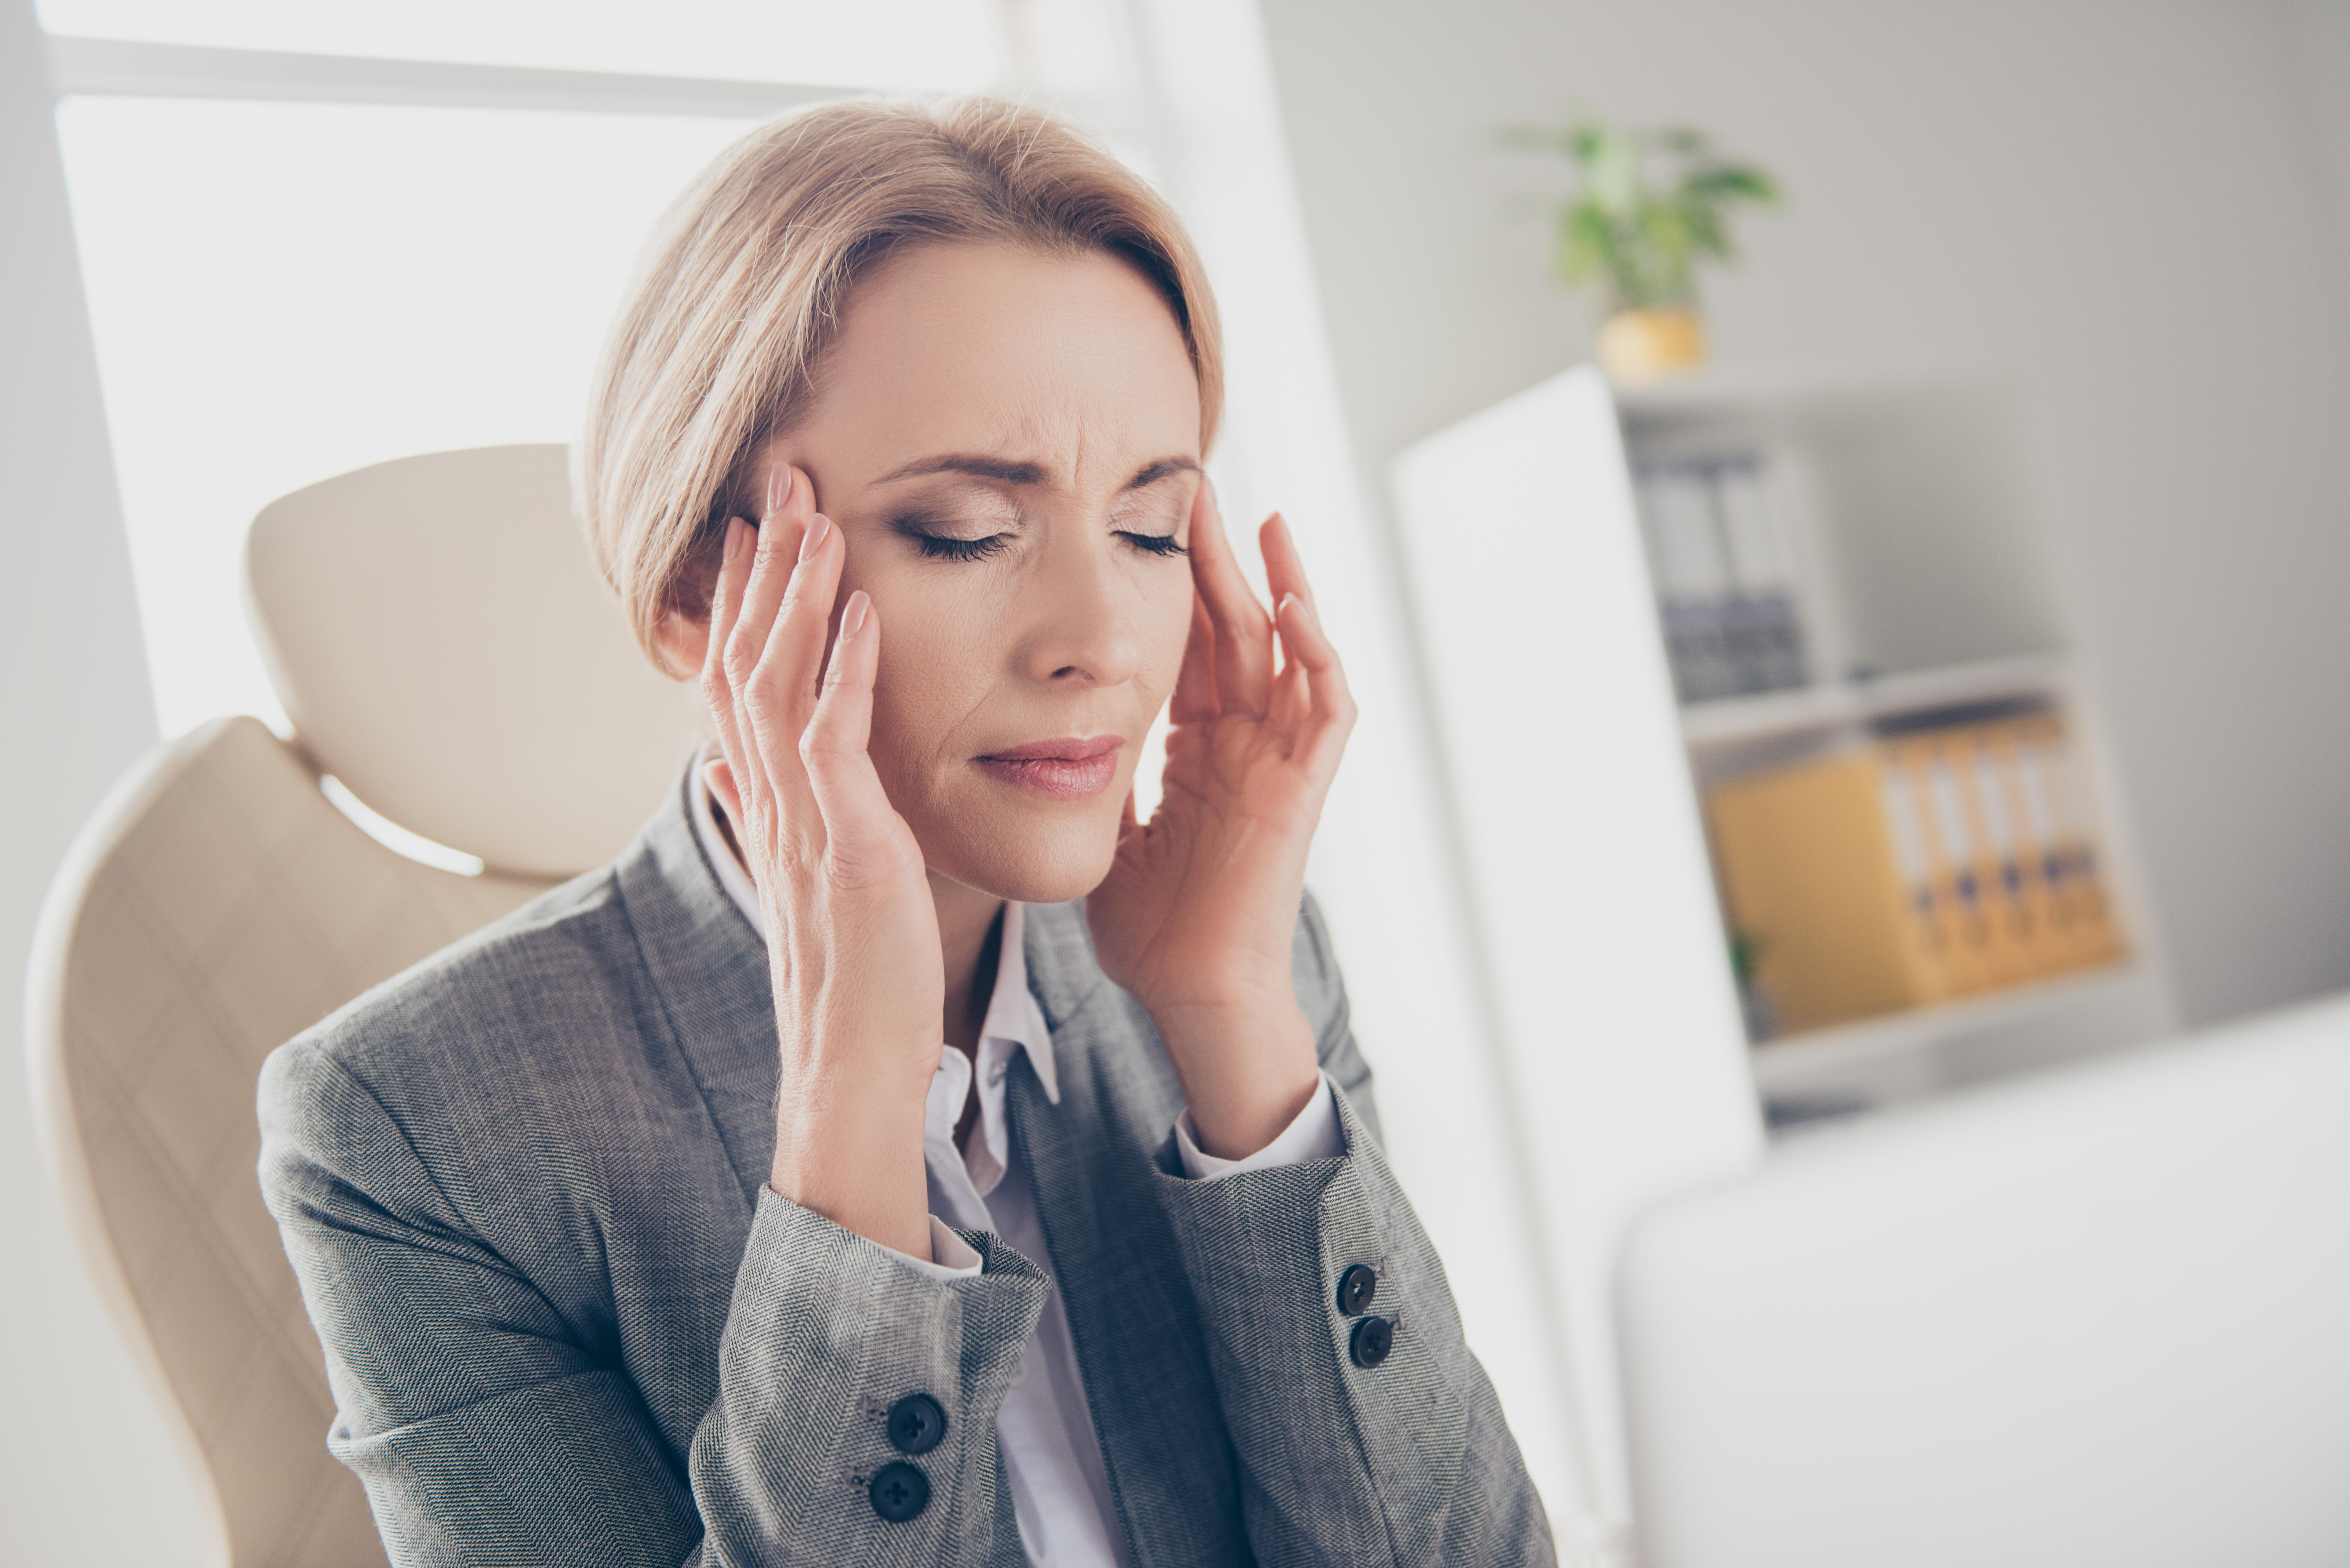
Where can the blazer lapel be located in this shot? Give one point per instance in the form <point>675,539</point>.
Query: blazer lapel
<point>1129,1305</point>
<point>711,989</point>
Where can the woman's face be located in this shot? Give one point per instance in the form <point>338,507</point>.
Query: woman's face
<point>1009,443</point>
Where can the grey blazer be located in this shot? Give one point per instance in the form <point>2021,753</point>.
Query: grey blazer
<point>567,1323</point>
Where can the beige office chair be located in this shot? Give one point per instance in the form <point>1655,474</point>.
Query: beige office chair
<point>441,645</point>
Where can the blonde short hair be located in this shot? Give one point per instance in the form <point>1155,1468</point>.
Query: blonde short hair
<point>720,344</point>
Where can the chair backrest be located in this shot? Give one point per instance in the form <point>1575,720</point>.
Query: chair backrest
<point>2100,1317</point>
<point>443,650</point>
<point>439,639</point>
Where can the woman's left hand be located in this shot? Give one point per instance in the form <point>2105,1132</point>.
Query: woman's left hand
<point>1199,910</point>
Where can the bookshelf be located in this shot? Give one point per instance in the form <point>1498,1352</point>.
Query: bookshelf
<point>1727,722</point>
<point>1906,543</point>
<point>1910,1055</point>
<point>1574,774</point>
<point>1909,539</point>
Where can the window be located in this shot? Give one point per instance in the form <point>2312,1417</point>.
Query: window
<point>284,291</point>
<point>284,286</point>
<point>947,45</point>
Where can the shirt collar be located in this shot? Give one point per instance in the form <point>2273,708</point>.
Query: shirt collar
<point>1013,1015</point>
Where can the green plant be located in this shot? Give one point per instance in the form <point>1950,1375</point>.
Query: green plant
<point>1651,206</point>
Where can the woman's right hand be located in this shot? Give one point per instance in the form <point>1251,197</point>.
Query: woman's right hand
<point>852,934</point>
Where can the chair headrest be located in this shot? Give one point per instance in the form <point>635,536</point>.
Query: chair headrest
<point>442,646</point>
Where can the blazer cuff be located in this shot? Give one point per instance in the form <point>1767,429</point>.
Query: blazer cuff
<point>1314,1133</point>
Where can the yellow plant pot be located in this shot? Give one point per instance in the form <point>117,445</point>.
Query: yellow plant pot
<point>1644,345</point>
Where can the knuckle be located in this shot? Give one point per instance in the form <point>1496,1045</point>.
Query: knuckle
<point>765,703</point>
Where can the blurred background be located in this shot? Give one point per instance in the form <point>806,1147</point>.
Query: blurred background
<point>2038,367</point>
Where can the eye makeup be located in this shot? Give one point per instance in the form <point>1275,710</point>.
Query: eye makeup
<point>946,547</point>
<point>944,529</point>
<point>941,528</point>
<point>1149,522</point>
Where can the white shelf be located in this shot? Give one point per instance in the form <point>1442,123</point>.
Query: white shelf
<point>1743,388</point>
<point>1737,719</point>
<point>1823,1059</point>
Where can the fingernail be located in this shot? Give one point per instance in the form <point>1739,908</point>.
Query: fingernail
<point>779,488</point>
<point>736,531</point>
<point>852,619</point>
<point>818,526</point>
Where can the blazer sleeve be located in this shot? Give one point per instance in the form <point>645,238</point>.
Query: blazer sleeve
<point>488,1428</point>
<point>1404,1460</point>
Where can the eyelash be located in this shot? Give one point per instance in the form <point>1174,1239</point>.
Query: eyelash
<point>1155,544</point>
<point>939,548</point>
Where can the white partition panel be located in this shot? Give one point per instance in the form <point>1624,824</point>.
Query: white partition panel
<point>1379,863</point>
<point>1593,900</point>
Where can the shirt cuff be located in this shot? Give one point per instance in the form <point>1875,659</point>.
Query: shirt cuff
<point>951,1257</point>
<point>1314,1134</point>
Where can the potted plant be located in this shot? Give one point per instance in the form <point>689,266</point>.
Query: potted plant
<point>1648,207</point>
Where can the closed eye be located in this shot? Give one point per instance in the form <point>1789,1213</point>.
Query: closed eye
<point>1154,544</point>
<point>939,547</point>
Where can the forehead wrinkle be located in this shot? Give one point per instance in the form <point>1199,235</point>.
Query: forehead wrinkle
<point>1061,442</point>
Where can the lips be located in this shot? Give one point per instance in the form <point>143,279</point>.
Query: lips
<point>1069,768</point>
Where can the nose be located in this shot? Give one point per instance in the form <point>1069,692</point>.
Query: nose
<point>1082,611</point>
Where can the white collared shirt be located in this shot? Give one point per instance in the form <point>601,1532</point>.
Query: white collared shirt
<point>1051,1459</point>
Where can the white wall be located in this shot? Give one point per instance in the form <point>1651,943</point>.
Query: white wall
<point>87,1473</point>
<point>2317,40</point>
<point>2127,205</point>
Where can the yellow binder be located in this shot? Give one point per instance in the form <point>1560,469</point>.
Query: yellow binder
<point>1813,877</point>
<point>2073,866</point>
<point>2014,955</point>
<point>1949,849</point>
<point>2034,822</point>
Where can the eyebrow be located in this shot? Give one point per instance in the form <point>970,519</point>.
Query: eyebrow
<point>1024,473</point>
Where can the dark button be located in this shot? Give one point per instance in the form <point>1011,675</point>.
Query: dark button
<point>916,1424</point>
<point>1357,1286</point>
<point>1372,1339</point>
<point>898,1491</point>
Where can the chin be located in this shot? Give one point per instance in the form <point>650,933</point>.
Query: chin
<point>1030,857</point>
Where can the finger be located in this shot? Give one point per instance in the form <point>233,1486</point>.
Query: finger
<point>860,823</point>
<point>725,609</point>
<point>792,501</point>
<point>1329,709</point>
<point>767,561</point>
<point>1243,632</point>
<point>719,779</point>
<point>1195,683</point>
<point>1284,572</point>
<point>777,549</point>
<point>1285,568</point>
<point>765,761</point>
<point>795,656</point>
<point>1292,701</point>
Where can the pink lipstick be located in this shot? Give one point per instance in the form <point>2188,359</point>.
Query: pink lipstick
<point>1068,769</point>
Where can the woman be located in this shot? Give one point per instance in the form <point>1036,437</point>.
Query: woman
<point>654,1224</point>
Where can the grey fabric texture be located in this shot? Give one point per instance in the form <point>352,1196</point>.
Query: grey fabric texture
<point>566,1322</point>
